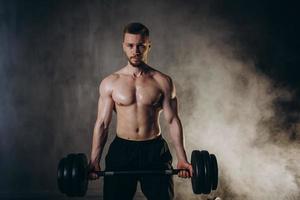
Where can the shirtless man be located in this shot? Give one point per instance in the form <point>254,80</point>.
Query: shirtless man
<point>138,94</point>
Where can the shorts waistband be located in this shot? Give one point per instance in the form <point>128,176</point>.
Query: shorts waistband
<point>158,138</point>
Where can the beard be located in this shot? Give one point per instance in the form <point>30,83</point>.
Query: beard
<point>137,63</point>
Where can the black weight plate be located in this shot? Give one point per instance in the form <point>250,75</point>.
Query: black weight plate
<point>60,178</point>
<point>83,172</point>
<point>207,177</point>
<point>212,173</point>
<point>67,175</point>
<point>215,171</point>
<point>196,161</point>
<point>202,172</point>
<point>75,181</point>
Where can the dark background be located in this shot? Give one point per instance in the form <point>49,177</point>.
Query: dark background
<point>53,55</point>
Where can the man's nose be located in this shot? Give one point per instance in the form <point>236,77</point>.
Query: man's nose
<point>136,50</point>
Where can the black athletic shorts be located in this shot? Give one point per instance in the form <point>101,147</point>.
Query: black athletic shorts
<point>138,155</point>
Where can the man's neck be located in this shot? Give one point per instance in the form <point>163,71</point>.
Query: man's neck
<point>137,71</point>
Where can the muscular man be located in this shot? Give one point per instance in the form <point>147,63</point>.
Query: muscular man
<point>138,94</point>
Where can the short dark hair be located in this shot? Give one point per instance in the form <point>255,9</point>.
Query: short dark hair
<point>136,28</point>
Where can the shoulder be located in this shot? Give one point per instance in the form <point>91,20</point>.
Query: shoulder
<point>165,82</point>
<point>163,79</point>
<point>110,79</point>
<point>106,85</point>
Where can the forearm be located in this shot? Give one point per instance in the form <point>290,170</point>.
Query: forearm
<point>176,134</point>
<point>99,139</point>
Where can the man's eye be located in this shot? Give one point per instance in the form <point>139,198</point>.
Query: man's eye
<point>130,45</point>
<point>142,47</point>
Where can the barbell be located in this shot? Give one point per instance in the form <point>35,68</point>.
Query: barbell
<point>72,173</point>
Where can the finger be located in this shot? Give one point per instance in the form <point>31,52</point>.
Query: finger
<point>190,170</point>
<point>93,176</point>
<point>181,174</point>
<point>186,174</point>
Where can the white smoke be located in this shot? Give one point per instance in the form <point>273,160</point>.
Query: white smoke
<point>225,105</point>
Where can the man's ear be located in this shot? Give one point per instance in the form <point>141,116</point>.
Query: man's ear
<point>123,46</point>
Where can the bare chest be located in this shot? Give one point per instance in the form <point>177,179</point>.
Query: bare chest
<point>139,91</point>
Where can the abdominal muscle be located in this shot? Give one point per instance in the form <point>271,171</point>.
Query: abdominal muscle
<point>138,122</point>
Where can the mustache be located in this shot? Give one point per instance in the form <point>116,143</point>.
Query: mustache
<point>136,56</point>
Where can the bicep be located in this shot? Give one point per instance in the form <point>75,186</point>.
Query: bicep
<point>170,109</point>
<point>170,100</point>
<point>105,106</point>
